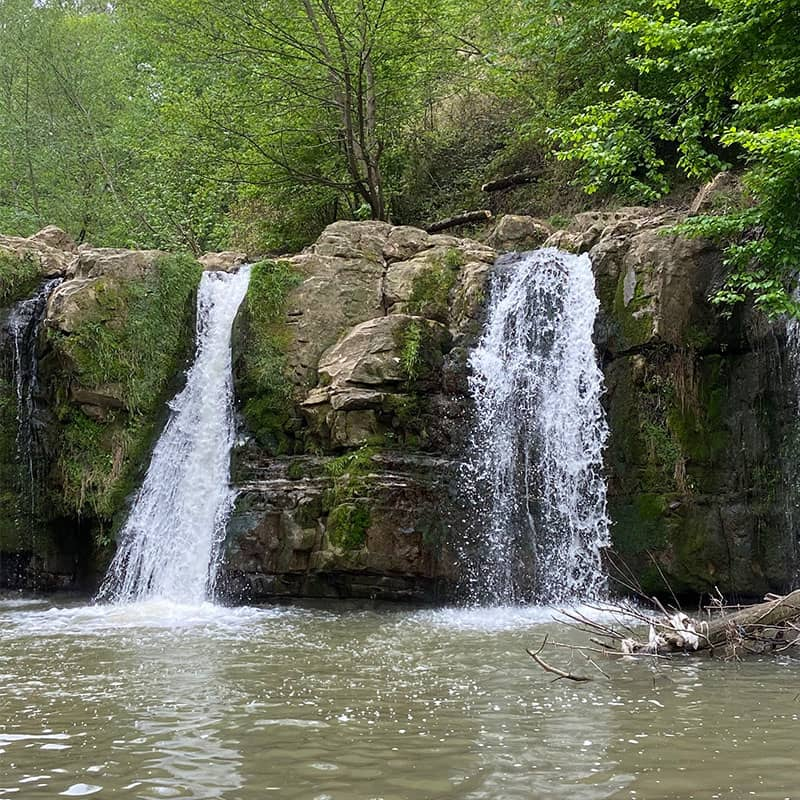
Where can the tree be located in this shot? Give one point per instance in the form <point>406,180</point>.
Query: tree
<point>316,93</point>
<point>718,84</point>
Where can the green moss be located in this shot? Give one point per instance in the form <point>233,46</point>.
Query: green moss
<point>18,277</point>
<point>133,336</point>
<point>348,524</point>
<point>349,516</point>
<point>453,258</point>
<point>560,221</point>
<point>135,339</point>
<point>265,388</point>
<point>296,470</point>
<point>430,289</point>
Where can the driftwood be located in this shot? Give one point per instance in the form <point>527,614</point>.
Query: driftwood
<point>769,627</point>
<point>459,219</point>
<point>506,182</point>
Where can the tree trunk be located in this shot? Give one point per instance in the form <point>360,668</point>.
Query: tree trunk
<point>459,219</point>
<point>517,179</point>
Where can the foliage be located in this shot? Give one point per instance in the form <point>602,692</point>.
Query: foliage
<point>265,389</point>
<point>411,351</point>
<point>717,84</point>
<point>184,124</point>
<point>18,277</point>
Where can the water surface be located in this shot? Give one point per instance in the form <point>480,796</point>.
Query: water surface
<point>162,701</point>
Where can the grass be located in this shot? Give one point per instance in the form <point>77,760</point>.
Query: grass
<point>411,351</point>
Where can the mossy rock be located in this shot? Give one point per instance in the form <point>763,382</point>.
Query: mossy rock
<point>18,277</point>
<point>262,340</point>
<point>347,525</point>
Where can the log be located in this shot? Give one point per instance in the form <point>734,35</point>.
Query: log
<point>515,179</point>
<point>749,621</point>
<point>727,631</point>
<point>459,219</point>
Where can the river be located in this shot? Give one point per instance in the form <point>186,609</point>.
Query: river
<point>155,700</point>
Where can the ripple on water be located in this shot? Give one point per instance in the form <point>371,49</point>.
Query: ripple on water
<point>239,704</point>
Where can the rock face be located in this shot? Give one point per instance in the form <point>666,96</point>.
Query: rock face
<point>374,338</point>
<point>51,247</point>
<point>113,338</point>
<point>701,411</point>
<point>351,368</point>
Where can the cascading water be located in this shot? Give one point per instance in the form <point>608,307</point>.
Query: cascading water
<point>170,544</point>
<point>21,336</point>
<point>536,449</point>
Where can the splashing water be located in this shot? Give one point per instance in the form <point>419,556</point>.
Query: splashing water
<point>536,451</point>
<point>169,547</point>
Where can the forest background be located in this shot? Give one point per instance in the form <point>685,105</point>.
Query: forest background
<point>205,124</point>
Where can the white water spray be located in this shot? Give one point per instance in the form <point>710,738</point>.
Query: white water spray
<point>536,452</point>
<point>169,547</point>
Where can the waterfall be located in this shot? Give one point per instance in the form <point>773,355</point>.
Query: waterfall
<point>20,336</point>
<point>169,546</point>
<point>536,449</point>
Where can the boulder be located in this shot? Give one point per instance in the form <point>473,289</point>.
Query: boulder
<point>51,247</point>
<point>117,263</point>
<point>370,354</point>
<point>224,261</point>
<point>517,233</point>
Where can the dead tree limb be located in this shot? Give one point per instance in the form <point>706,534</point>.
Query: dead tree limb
<point>554,670</point>
<point>507,181</point>
<point>466,218</point>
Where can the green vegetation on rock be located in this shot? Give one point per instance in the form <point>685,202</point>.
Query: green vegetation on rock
<point>347,525</point>
<point>348,499</point>
<point>263,386</point>
<point>18,277</point>
<point>430,288</point>
<point>131,338</point>
<point>128,348</point>
<point>411,351</point>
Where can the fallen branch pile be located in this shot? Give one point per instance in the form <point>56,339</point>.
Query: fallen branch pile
<point>721,631</point>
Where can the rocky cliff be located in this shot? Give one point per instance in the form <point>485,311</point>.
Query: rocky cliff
<point>351,374</point>
<point>362,363</point>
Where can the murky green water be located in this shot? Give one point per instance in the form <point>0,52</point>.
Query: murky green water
<point>159,702</point>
